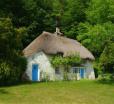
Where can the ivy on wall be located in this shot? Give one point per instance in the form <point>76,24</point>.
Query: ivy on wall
<point>58,60</point>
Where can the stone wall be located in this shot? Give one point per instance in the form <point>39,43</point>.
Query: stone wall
<point>89,70</point>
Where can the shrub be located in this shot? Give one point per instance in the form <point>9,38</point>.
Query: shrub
<point>65,76</point>
<point>106,77</point>
<point>107,58</point>
<point>7,73</point>
<point>21,63</point>
<point>66,63</point>
<point>58,60</point>
<point>97,69</point>
<point>11,73</point>
<point>44,76</point>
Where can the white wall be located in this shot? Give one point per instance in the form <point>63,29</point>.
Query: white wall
<point>89,70</point>
<point>44,65</point>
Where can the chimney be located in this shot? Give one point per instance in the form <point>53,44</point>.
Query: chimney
<point>58,31</point>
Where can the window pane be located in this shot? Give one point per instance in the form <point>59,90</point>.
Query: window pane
<point>75,70</point>
<point>57,71</point>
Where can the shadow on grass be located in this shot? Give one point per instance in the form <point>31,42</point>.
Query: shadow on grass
<point>3,91</point>
<point>19,84</point>
<point>108,82</point>
<point>32,83</point>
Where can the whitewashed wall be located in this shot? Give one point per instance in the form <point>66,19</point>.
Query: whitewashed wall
<point>44,65</point>
<point>89,70</point>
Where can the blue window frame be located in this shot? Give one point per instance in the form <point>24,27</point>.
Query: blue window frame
<point>80,70</point>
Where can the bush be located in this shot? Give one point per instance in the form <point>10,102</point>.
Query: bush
<point>11,73</point>
<point>107,58</point>
<point>21,63</point>
<point>44,76</point>
<point>106,77</point>
<point>7,73</point>
<point>65,76</point>
<point>97,69</point>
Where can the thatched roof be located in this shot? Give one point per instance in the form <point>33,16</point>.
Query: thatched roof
<point>52,44</point>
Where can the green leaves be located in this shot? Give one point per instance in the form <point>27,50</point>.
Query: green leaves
<point>12,65</point>
<point>10,37</point>
<point>95,37</point>
<point>100,11</point>
<point>59,60</point>
<point>107,57</point>
<point>11,73</point>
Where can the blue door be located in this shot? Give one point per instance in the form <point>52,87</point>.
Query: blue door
<point>82,72</point>
<point>35,72</point>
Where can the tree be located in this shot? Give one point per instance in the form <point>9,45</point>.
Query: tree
<point>100,11</point>
<point>12,64</point>
<point>95,37</point>
<point>70,14</point>
<point>107,58</point>
<point>35,15</point>
<point>10,38</point>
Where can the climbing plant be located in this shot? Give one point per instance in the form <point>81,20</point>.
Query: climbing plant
<point>66,61</point>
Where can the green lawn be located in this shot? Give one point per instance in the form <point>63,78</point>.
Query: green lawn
<point>69,92</point>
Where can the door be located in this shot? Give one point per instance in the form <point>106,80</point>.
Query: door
<point>35,72</point>
<point>82,72</point>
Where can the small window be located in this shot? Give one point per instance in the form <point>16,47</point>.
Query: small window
<point>75,70</point>
<point>57,71</point>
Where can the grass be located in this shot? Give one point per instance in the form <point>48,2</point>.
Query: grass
<point>66,92</point>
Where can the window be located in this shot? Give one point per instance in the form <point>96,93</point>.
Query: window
<point>75,70</point>
<point>57,71</point>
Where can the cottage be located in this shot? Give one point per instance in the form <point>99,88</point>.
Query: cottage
<point>39,51</point>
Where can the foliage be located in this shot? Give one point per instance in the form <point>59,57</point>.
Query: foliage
<point>37,18</point>
<point>5,71</point>
<point>106,77</point>
<point>35,15</point>
<point>12,64</point>
<point>59,60</point>
<point>97,68</point>
<point>10,38</point>
<point>73,14</point>
<point>107,58</point>
<point>10,73</point>
<point>100,11</point>
<point>44,77</point>
<point>95,37</point>
<point>65,63</point>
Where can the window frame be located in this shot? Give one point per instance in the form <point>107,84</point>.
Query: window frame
<point>78,70</point>
<point>57,71</point>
